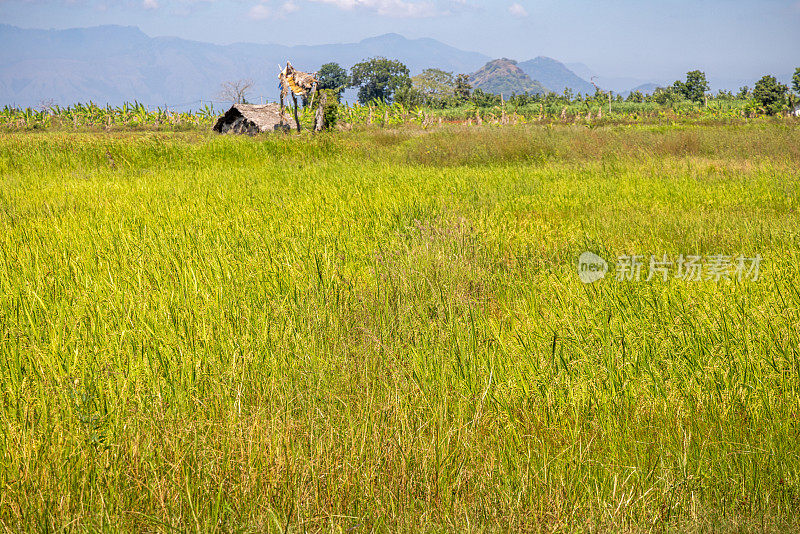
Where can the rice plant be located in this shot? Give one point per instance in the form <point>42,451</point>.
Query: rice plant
<point>384,329</point>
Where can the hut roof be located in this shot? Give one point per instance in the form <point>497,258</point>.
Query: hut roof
<point>253,119</point>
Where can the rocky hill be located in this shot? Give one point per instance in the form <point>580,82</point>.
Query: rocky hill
<point>503,76</point>
<point>555,75</point>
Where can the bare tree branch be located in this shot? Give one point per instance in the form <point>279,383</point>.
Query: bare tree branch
<point>236,91</point>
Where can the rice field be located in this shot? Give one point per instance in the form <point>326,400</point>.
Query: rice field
<point>384,330</point>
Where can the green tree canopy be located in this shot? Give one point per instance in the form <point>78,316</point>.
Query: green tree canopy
<point>410,97</point>
<point>332,76</point>
<point>744,93</point>
<point>635,96</point>
<point>462,89</point>
<point>379,78</point>
<point>434,83</point>
<point>796,81</point>
<point>666,95</point>
<point>770,94</point>
<point>695,86</point>
<point>483,99</point>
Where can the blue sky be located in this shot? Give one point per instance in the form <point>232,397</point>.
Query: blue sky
<point>729,39</point>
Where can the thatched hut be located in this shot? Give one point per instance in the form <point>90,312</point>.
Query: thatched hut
<point>252,119</point>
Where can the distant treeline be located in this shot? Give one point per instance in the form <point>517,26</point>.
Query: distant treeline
<point>386,80</point>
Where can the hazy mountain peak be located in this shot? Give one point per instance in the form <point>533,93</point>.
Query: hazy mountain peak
<point>112,64</point>
<point>555,75</point>
<point>386,38</point>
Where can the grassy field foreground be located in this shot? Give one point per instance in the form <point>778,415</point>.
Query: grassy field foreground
<point>384,330</point>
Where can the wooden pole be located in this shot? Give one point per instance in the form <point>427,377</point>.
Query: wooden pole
<point>296,119</point>
<point>319,119</point>
<point>282,106</point>
<point>313,92</point>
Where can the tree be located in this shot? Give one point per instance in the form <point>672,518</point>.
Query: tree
<point>695,86</point>
<point>744,93</point>
<point>330,111</point>
<point>410,97</point>
<point>332,76</point>
<point>724,94</point>
<point>378,78</point>
<point>796,81</point>
<point>635,96</point>
<point>665,96</point>
<point>434,83</point>
<point>235,92</point>
<point>770,94</point>
<point>483,99</point>
<point>462,89</point>
<point>795,86</point>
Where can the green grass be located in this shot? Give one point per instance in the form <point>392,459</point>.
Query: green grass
<point>384,330</point>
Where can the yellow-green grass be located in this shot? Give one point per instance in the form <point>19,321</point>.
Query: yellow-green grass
<point>384,330</point>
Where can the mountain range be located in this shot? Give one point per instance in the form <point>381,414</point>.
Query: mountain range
<point>114,64</point>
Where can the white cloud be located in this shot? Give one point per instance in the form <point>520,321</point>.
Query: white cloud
<point>150,4</point>
<point>517,10</point>
<point>262,11</point>
<point>390,8</point>
<point>259,12</point>
<point>289,7</point>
